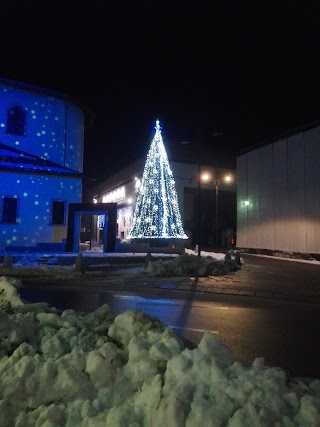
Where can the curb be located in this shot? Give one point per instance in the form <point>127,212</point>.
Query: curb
<point>185,284</point>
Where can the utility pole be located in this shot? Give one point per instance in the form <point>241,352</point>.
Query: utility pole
<point>217,182</point>
<point>199,209</point>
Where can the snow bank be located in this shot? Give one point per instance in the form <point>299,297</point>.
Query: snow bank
<point>67,368</point>
<point>9,295</point>
<point>192,265</point>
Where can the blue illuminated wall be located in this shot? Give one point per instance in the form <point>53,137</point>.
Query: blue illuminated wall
<point>52,139</point>
<point>53,126</point>
<point>35,194</point>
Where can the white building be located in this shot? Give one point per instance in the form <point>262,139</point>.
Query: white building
<point>278,194</point>
<point>41,157</point>
<point>122,188</point>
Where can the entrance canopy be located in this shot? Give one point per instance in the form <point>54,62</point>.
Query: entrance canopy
<point>109,232</point>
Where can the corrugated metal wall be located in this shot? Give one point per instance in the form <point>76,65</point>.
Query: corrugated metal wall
<point>280,184</point>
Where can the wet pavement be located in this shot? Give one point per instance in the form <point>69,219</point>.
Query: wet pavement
<point>258,310</point>
<point>260,277</point>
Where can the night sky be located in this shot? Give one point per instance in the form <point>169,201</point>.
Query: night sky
<point>221,75</point>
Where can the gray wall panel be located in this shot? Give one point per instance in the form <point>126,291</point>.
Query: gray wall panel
<point>242,182</point>
<point>280,206</point>
<point>253,197</point>
<point>295,214</point>
<point>282,183</point>
<point>312,189</point>
<point>266,197</point>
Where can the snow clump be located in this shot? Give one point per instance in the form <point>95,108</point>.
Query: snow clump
<point>62,368</point>
<point>192,265</point>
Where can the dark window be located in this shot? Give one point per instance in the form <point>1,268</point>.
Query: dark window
<point>9,210</point>
<point>16,121</point>
<point>58,208</point>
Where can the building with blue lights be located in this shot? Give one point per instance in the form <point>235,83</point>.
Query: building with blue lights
<point>41,164</point>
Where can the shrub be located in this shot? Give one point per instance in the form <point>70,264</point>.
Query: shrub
<point>192,265</point>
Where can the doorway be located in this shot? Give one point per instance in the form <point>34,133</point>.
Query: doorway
<point>76,210</point>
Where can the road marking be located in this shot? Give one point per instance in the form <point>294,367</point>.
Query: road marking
<point>145,300</point>
<point>149,300</point>
<point>192,329</point>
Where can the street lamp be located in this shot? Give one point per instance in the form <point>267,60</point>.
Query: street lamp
<point>217,183</point>
<point>228,180</point>
<point>199,210</point>
<point>198,201</point>
<point>206,178</point>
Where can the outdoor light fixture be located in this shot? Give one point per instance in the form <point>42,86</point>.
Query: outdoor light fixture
<point>205,177</point>
<point>227,179</point>
<point>138,182</point>
<point>246,202</point>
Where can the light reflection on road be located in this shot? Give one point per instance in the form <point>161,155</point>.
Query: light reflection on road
<point>250,327</point>
<point>177,314</point>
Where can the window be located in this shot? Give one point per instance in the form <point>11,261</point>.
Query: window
<point>9,210</point>
<point>16,121</point>
<point>58,212</point>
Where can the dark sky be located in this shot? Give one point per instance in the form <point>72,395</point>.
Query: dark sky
<point>247,69</point>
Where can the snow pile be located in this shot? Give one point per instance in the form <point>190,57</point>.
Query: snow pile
<point>63,368</point>
<point>9,295</point>
<point>45,266</point>
<point>35,263</point>
<point>219,256</point>
<point>192,265</point>
<point>36,260</point>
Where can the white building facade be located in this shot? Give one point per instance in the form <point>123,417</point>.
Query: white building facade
<point>41,160</point>
<point>123,187</point>
<point>278,194</point>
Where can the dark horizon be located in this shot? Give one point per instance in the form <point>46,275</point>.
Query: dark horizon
<point>227,74</point>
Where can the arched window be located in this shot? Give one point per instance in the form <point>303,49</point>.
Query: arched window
<point>16,121</point>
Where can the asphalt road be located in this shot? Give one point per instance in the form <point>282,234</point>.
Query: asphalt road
<point>280,275</point>
<point>285,333</point>
<point>270,308</point>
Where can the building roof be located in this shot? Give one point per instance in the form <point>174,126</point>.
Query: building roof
<point>121,177</point>
<point>14,160</point>
<point>89,115</point>
<point>281,136</point>
<point>128,173</point>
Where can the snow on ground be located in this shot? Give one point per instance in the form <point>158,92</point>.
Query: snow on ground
<point>215,255</point>
<point>308,261</point>
<point>67,368</point>
<point>44,260</point>
<point>40,264</point>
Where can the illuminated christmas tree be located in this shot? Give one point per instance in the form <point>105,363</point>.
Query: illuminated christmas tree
<point>157,214</point>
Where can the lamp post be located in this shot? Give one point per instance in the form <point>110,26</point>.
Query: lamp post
<point>217,183</point>
<point>206,177</point>
<point>227,179</point>
<point>199,210</point>
<point>198,201</point>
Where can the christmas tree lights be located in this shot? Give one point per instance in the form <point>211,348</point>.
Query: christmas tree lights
<point>157,214</point>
